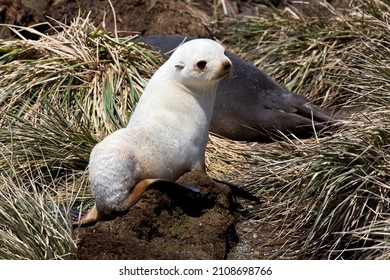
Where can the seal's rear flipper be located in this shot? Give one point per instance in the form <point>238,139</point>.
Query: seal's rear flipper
<point>90,218</point>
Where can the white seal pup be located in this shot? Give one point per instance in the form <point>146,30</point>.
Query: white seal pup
<point>167,132</point>
<point>251,106</point>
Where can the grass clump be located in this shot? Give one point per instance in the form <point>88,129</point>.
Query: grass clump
<point>329,196</point>
<point>62,93</point>
<point>331,192</point>
<point>59,96</point>
<point>83,71</point>
<point>32,224</point>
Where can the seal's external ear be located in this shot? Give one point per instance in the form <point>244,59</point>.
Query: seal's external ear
<point>180,65</point>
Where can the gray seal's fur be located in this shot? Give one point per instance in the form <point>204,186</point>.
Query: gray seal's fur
<point>251,106</point>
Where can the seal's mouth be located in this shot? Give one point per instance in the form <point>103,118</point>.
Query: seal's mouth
<point>221,75</point>
<point>226,70</point>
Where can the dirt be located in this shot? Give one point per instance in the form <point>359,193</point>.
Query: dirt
<point>166,224</point>
<point>197,19</point>
<point>169,223</point>
<point>142,16</point>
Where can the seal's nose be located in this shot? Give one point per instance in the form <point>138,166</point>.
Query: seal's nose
<point>227,65</point>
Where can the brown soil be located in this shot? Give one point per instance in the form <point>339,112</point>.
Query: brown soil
<point>169,224</point>
<point>143,16</point>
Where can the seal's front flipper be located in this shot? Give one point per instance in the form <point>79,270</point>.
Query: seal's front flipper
<point>175,188</point>
<point>161,185</point>
<point>138,190</point>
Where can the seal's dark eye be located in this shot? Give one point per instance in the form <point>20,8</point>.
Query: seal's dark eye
<point>201,64</point>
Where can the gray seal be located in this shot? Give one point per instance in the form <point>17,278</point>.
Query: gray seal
<point>250,105</point>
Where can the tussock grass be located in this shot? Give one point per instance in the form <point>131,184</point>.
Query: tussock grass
<point>328,196</point>
<point>59,96</point>
<point>32,224</point>
<point>334,190</point>
<point>331,193</point>
<point>47,144</point>
<point>89,74</point>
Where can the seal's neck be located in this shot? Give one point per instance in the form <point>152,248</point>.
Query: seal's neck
<point>202,96</point>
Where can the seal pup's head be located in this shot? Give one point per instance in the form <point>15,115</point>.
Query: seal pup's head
<point>199,63</point>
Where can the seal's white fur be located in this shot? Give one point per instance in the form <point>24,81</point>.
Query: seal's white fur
<point>168,131</point>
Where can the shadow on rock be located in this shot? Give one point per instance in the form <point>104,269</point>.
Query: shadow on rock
<point>168,224</point>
